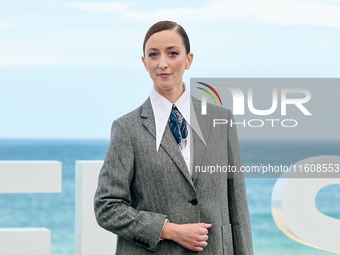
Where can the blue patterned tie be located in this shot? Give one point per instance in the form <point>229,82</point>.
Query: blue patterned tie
<point>178,126</point>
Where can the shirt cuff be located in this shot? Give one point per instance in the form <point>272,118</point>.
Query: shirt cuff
<point>160,239</point>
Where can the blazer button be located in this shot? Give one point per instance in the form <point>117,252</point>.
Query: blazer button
<point>193,202</point>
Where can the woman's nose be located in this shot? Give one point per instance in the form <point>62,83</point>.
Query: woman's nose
<point>162,62</point>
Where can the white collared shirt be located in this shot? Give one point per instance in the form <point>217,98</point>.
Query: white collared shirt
<point>162,108</point>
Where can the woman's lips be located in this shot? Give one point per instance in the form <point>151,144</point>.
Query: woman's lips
<point>164,75</point>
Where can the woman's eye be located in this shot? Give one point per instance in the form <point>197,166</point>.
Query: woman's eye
<point>173,53</point>
<point>152,55</point>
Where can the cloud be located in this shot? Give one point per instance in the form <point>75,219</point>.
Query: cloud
<point>79,39</point>
<point>4,25</point>
<point>277,12</point>
<point>101,7</point>
<point>17,58</point>
<point>73,47</point>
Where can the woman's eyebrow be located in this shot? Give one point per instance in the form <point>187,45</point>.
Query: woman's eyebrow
<point>152,49</point>
<point>168,48</point>
<point>171,47</point>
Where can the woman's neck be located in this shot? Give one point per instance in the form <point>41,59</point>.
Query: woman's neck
<point>171,94</point>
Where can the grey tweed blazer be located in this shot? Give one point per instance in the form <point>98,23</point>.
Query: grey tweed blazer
<point>140,187</point>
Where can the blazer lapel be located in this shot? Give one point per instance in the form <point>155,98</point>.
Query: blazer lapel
<point>168,142</point>
<point>148,119</point>
<point>199,148</point>
<point>170,145</point>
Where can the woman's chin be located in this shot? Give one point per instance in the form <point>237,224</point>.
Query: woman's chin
<point>166,86</point>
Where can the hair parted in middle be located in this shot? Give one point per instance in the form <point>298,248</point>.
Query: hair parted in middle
<point>167,25</point>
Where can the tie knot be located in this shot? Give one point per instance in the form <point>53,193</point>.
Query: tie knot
<point>177,113</point>
<point>178,126</point>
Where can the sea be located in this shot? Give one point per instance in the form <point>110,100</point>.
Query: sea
<point>56,211</point>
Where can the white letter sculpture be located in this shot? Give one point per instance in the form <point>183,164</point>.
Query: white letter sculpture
<point>28,177</point>
<point>293,203</point>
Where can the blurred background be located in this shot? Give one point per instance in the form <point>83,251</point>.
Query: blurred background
<point>69,68</point>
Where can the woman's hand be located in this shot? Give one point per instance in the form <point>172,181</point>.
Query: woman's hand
<point>191,236</point>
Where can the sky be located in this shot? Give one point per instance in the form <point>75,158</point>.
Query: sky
<point>69,68</point>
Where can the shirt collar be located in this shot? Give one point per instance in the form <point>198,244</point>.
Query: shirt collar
<point>162,108</point>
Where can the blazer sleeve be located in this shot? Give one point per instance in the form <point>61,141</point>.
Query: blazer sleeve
<point>238,205</point>
<point>112,202</point>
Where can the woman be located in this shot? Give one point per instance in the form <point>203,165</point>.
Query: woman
<point>148,193</point>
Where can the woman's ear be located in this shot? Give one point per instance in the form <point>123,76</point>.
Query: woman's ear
<point>189,59</point>
<point>144,62</point>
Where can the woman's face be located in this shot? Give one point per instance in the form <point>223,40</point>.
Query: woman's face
<point>166,60</point>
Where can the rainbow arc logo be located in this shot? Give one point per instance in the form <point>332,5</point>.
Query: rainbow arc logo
<point>209,93</point>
